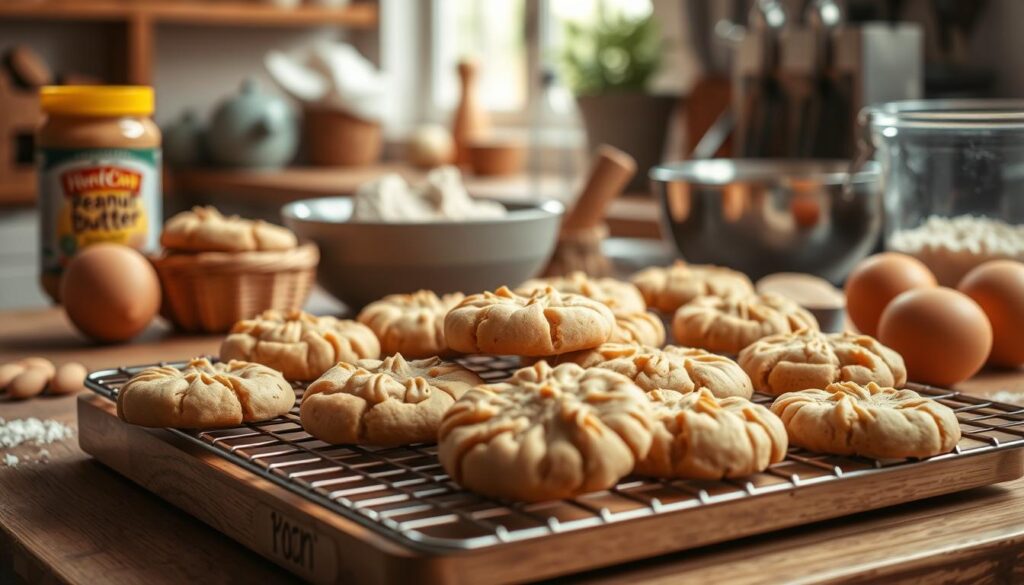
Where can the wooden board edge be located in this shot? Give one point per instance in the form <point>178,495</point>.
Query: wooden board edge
<point>269,520</point>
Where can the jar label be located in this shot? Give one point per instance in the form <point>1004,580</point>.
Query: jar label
<point>89,196</point>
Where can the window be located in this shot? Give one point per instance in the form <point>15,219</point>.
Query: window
<point>515,41</point>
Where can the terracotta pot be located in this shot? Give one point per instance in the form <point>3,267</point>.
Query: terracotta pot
<point>634,122</point>
<point>337,139</point>
<point>496,158</point>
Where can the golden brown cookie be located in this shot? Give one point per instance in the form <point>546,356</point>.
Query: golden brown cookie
<point>299,345</point>
<point>681,369</point>
<point>699,436</point>
<point>849,419</point>
<point>547,433</point>
<point>544,323</point>
<point>619,296</point>
<point>389,402</point>
<point>204,229</point>
<point>412,325</point>
<point>204,395</point>
<point>643,328</point>
<point>670,287</point>
<point>813,360</point>
<point>727,325</point>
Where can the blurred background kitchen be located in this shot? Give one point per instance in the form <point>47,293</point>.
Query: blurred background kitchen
<point>376,87</point>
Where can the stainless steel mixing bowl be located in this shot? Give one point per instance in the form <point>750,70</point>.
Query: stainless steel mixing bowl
<point>764,216</point>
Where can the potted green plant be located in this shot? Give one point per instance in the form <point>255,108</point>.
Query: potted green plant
<point>609,65</point>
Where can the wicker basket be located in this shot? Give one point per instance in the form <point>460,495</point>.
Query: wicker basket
<point>210,291</point>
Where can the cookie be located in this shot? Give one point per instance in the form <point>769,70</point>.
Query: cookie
<point>809,359</point>
<point>670,287</point>
<point>699,436</point>
<point>204,229</point>
<point>871,421</point>
<point>297,344</point>
<point>545,323</point>
<point>619,296</point>
<point>204,395</point>
<point>727,325</point>
<point>389,402</point>
<point>681,369</point>
<point>412,325</point>
<point>547,433</point>
<point>643,328</point>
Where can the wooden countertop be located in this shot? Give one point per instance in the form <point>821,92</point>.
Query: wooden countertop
<point>73,520</point>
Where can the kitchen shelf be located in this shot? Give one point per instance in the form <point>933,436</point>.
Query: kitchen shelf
<point>358,15</point>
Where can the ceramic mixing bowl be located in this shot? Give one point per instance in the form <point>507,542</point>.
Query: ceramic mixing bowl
<point>765,216</point>
<point>361,262</point>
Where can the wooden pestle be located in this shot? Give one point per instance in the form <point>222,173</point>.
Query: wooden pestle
<point>583,228</point>
<point>610,173</point>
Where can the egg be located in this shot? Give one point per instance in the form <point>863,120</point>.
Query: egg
<point>110,292</point>
<point>879,279</point>
<point>943,335</point>
<point>998,287</point>
<point>430,145</point>
<point>68,379</point>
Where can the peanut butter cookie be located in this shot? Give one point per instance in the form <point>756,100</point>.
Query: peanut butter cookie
<point>809,359</point>
<point>670,287</point>
<point>547,433</point>
<point>619,296</point>
<point>412,325</point>
<point>545,323</point>
<point>643,328</point>
<point>699,436</point>
<point>871,421</point>
<point>389,402</point>
<point>204,395</point>
<point>297,344</point>
<point>204,229</point>
<point>681,369</point>
<point>727,325</point>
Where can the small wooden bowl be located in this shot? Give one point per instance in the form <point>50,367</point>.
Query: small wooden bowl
<point>493,158</point>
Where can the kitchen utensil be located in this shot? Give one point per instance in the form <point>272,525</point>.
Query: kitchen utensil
<point>764,216</point>
<point>345,513</point>
<point>470,121</point>
<point>583,229</point>
<point>364,261</point>
<point>950,159</point>
<point>210,291</point>
<point>494,157</point>
<point>336,138</point>
<point>184,141</point>
<point>253,129</point>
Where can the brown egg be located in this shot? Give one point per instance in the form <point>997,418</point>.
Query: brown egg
<point>998,287</point>
<point>68,379</point>
<point>38,362</point>
<point>28,383</point>
<point>943,336</point>
<point>879,279</point>
<point>9,372</point>
<point>110,292</point>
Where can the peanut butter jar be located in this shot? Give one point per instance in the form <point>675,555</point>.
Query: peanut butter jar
<point>98,160</point>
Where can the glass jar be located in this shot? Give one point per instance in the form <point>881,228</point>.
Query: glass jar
<point>98,161</point>
<point>953,180</point>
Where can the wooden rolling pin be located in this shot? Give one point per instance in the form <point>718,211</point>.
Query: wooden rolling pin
<point>583,228</point>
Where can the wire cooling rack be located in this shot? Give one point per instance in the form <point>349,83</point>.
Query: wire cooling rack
<point>405,494</point>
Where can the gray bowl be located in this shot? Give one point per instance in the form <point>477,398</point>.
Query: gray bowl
<point>361,262</point>
<point>765,216</point>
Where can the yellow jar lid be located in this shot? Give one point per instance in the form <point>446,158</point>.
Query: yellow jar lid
<point>97,100</point>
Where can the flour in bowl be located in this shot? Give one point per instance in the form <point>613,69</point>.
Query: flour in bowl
<point>952,246</point>
<point>441,196</point>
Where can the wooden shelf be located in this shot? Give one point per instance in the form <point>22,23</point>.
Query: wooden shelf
<point>628,216</point>
<point>358,15</point>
